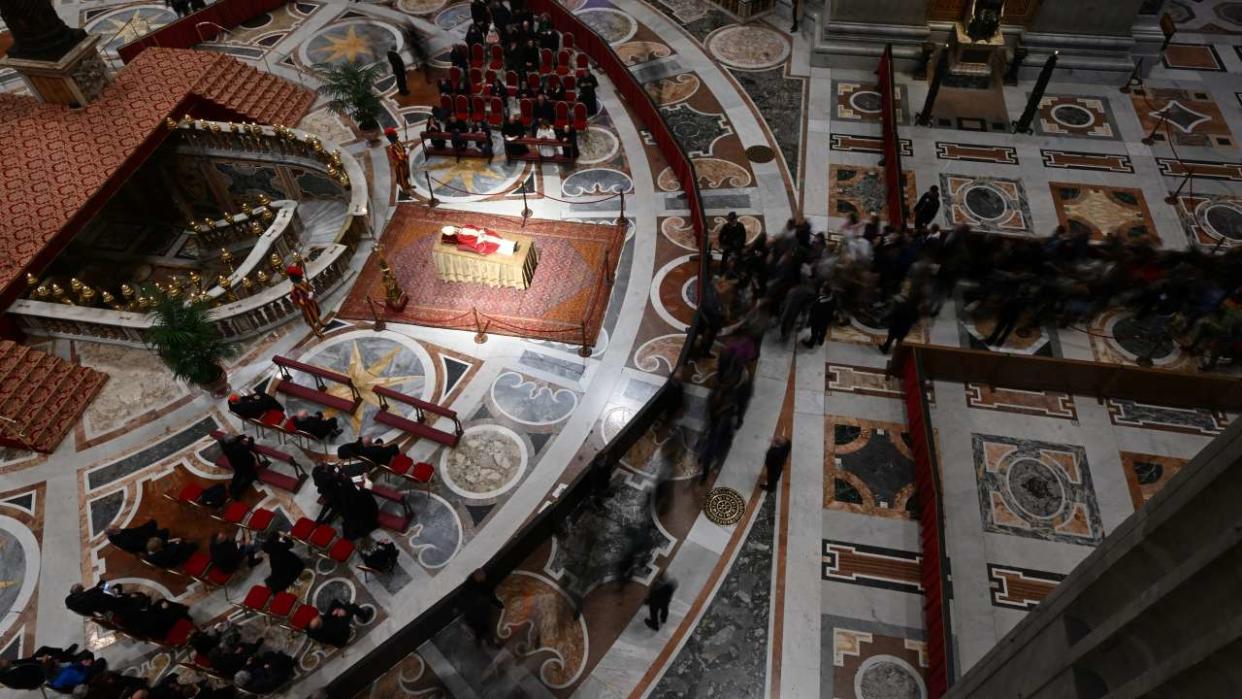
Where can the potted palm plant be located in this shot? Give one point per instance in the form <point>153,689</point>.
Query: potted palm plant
<point>350,89</point>
<point>189,343</point>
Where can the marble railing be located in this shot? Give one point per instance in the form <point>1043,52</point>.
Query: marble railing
<point>282,237</point>
<point>239,320</point>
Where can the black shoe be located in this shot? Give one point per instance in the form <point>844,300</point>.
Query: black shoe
<point>651,625</point>
<point>366,615</point>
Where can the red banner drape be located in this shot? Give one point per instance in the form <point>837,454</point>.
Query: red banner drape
<point>892,150</point>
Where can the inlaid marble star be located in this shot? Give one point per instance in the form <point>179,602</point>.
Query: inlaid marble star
<point>366,378</point>
<point>466,169</point>
<point>125,29</point>
<point>347,47</point>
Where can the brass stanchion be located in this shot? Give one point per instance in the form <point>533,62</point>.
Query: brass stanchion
<point>431,195</point>
<point>623,221</point>
<point>1172,198</point>
<point>378,326</point>
<point>585,349</point>
<point>480,335</point>
<point>525,209</point>
<point>1150,138</point>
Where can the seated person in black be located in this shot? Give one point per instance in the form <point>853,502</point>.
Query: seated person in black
<point>381,557</point>
<point>361,515</point>
<point>544,110</point>
<point>332,627</point>
<point>286,566</point>
<point>134,539</point>
<point>512,130</point>
<point>485,146</point>
<point>460,57</point>
<point>475,33</point>
<point>586,92</point>
<point>239,450</point>
<point>91,601</point>
<point>549,39</point>
<point>376,452</point>
<point>500,89</point>
<point>459,143</point>
<point>253,405</point>
<point>171,688</point>
<point>446,86</point>
<point>265,672</point>
<point>231,652</point>
<point>316,425</point>
<point>570,136</point>
<point>432,125</point>
<point>169,554</point>
<point>227,553</point>
<point>160,617</point>
<point>22,674</point>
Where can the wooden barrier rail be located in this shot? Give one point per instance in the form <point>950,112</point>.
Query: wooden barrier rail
<point>1155,386</point>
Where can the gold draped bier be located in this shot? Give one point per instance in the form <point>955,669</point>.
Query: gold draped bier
<point>496,270</point>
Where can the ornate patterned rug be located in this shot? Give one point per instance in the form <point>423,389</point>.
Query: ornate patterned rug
<point>571,286</point>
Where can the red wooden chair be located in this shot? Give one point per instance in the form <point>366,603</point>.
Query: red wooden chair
<point>476,55</point>
<point>582,63</point>
<point>302,529</point>
<point>446,105</point>
<point>571,96</point>
<point>562,115</point>
<point>455,75</point>
<point>302,617</point>
<point>511,81</point>
<point>476,79</point>
<point>564,62</point>
<point>528,111</point>
<point>260,519</point>
<point>178,635</point>
<point>567,41</point>
<point>570,83</point>
<point>489,76</point>
<point>532,81</point>
<point>422,474</point>
<point>478,108</point>
<point>496,116</point>
<point>498,57</point>
<point>462,107</point>
<point>281,606</point>
<point>256,599</point>
<point>321,537</point>
<point>340,551</point>
<point>545,60</point>
<point>580,117</point>
<point>233,513</point>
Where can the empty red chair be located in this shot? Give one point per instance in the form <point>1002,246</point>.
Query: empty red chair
<point>273,418</point>
<point>234,513</point>
<point>490,77</point>
<point>478,109</point>
<point>446,104</point>
<point>341,550</point>
<point>260,519</point>
<point>528,111</point>
<point>422,474</point>
<point>190,494</point>
<point>476,55</point>
<point>562,115</point>
<point>563,62</point>
<point>532,81</point>
<point>567,40</point>
<point>476,78</point>
<point>196,566</point>
<point>179,634</point>
<point>455,75</point>
<point>462,107</point>
<point>302,617</point>
<point>257,598</point>
<point>545,60</point>
<point>302,529</point>
<point>282,605</point>
<point>582,63</point>
<point>498,58</point>
<point>511,81</point>
<point>570,83</point>
<point>321,537</point>
<point>580,116</point>
<point>496,116</point>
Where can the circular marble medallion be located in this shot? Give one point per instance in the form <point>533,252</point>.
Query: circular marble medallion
<point>748,46</point>
<point>125,25</point>
<point>984,202</point>
<point>1145,338</point>
<point>724,506</point>
<point>453,178</point>
<point>454,17</point>
<point>1035,488</point>
<point>760,154</point>
<point>613,25</point>
<point>488,462</point>
<point>888,677</point>
<point>1224,219</point>
<point>19,569</point>
<point>596,145</point>
<point>1072,115</point>
<point>355,41</point>
<point>421,7</point>
<point>866,101</point>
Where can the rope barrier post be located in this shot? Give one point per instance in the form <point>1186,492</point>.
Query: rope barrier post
<point>431,195</point>
<point>378,325</point>
<point>585,349</point>
<point>623,221</point>
<point>480,335</point>
<point>1171,200</point>
<point>1150,138</point>
<point>525,209</point>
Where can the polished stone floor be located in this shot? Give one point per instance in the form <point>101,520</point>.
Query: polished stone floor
<point>815,592</point>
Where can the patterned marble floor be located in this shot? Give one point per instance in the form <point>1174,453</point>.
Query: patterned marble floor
<point>816,591</point>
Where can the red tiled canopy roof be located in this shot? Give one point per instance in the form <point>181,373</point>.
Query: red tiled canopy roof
<point>63,164</point>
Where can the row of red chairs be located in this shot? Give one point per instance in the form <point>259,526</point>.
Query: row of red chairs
<point>176,638</point>
<point>481,82</point>
<point>282,608</point>
<point>322,540</point>
<point>493,111</point>
<point>562,62</point>
<point>284,427</point>
<point>236,513</point>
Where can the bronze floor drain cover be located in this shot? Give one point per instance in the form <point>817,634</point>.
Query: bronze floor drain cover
<point>724,506</point>
<point>760,154</point>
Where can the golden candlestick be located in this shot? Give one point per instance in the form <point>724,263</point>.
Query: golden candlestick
<point>87,296</point>
<point>31,280</point>
<point>256,228</point>
<point>59,294</point>
<point>196,280</point>
<point>262,277</point>
<point>42,292</point>
<point>394,296</point>
<point>226,258</point>
<point>275,263</point>
<point>245,207</point>
<point>75,284</point>
<point>263,200</point>
<point>109,300</point>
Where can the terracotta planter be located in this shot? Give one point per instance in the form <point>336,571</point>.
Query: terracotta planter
<point>219,387</point>
<point>371,134</point>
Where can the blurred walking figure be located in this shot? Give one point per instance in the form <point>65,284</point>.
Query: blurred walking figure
<point>658,599</point>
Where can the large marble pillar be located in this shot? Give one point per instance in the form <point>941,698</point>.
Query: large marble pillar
<point>1096,39</point>
<point>853,33</point>
<point>59,64</point>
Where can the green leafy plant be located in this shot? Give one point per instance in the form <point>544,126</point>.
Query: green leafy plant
<point>188,342</point>
<point>350,89</point>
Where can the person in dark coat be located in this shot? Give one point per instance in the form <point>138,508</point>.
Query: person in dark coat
<point>658,599</point>
<point>479,12</point>
<point>332,627</point>
<point>479,606</point>
<point>134,539</point>
<point>774,462</point>
<point>22,674</point>
<point>266,672</point>
<point>475,33</point>
<point>286,566</point>
<point>513,130</point>
<point>587,83</point>
<point>361,514</point>
<point>169,554</point>
<point>927,207</point>
<point>460,57</point>
<point>317,425</point>
<point>902,320</point>
<point>544,110</point>
<point>823,310</point>
<point>227,554</point>
<point>239,450</point>
<point>732,238</point>
<point>252,406</point>
<point>398,72</point>
<point>381,557</point>
<point>159,618</point>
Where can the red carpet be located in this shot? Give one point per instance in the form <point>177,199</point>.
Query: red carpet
<point>570,285</point>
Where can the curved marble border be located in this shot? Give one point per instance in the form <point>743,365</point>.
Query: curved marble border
<point>30,576</point>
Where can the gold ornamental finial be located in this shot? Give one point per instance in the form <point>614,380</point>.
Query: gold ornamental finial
<point>256,228</point>
<point>261,277</point>
<point>75,284</point>
<point>127,291</point>
<point>42,292</point>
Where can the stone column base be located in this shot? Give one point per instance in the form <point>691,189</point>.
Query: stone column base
<point>74,80</point>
